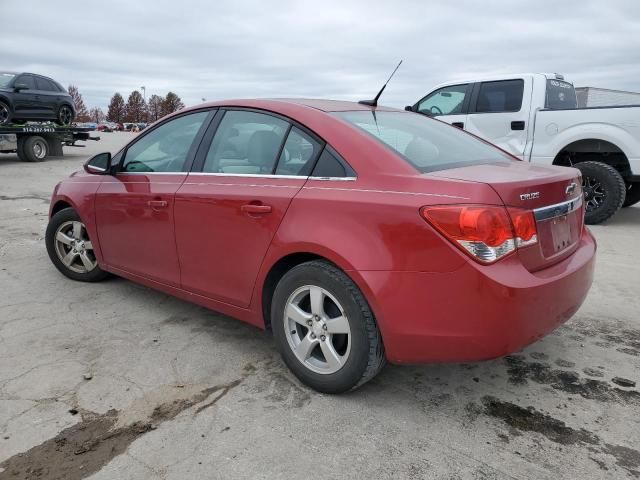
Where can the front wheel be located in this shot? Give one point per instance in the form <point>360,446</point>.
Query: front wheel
<point>324,328</point>
<point>604,191</point>
<point>5,114</point>
<point>70,248</point>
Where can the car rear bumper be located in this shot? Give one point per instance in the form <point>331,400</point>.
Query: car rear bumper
<point>477,312</point>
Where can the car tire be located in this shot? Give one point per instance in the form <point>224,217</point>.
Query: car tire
<point>5,113</point>
<point>70,249</point>
<point>334,346</point>
<point>65,115</point>
<point>604,191</point>
<point>633,194</point>
<point>33,149</point>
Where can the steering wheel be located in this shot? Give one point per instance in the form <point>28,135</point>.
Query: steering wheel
<point>435,110</point>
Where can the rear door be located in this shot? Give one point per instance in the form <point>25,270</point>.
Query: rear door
<point>498,113</point>
<point>135,207</point>
<point>249,168</point>
<point>47,96</point>
<point>448,104</point>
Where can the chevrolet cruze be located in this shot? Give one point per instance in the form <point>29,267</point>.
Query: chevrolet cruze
<point>356,234</point>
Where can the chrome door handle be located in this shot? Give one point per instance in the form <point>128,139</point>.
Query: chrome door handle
<point>157,203</point>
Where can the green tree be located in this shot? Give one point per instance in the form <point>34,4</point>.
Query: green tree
<point>117,109</point>
<point>172,103</point>
<point>82,114</point>
<point>136,108</point>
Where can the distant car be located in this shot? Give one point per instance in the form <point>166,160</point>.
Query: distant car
<point>106,127</point>
<point>354,233</point>
<point>27,96</point>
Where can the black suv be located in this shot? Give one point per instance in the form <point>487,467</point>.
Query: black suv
<point>26,96</point>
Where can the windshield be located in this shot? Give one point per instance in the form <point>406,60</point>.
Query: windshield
<point>427,144</point>
<point>5,78</point>
<point>560,95</point>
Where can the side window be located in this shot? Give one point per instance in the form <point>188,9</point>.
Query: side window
<point>27,80</point>
<point>44,84</point>
<point>501,96</point>
<point>298,153</point>
<point>246,143</point>
<point>329,166</point>
<point>444,101</point>
<point>166,147</point>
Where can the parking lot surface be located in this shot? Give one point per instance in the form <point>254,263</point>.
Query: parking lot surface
<point>114,380</point>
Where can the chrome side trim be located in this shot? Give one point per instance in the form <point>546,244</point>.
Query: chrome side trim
<point>557,210</point>
<point>442,195</point>
<point>244,175</point>
<point>334,179</point>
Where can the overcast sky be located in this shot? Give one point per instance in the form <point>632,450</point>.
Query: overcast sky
<point>323,48</point>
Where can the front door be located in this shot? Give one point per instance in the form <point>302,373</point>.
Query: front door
<point>498,114</point>
<point>448,104</point>
<point>24,100</point>
<point>228,212</point>
<point>135,207</point>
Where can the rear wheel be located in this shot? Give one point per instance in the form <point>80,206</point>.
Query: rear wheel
<point>324,328</point>
<point>633,194</point>
<point>604,191</point>
<point>5,113</point>
<point>65,115</point>
<point>70,248</point>
<point>33,149</point>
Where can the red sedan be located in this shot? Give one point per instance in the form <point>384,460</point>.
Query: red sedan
<point>355,234</point>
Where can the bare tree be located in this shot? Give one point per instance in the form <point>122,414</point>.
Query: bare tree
<point>97,115</point>
<point>82,114</point>
<point>117,109</point>
<point>155,106</point>
<point>136,108</point>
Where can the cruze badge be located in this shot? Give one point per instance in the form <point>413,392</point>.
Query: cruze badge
<point>530,196</point>
<point>571,188</point>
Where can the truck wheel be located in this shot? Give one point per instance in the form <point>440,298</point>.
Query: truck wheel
<point>5,114</point>
<point>633,195</point>
<point>604,191</point>
<point>34,149</point>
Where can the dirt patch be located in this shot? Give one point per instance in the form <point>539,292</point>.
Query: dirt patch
<point>87,446</point>
<point>520,371</point>
<point>531,420</point>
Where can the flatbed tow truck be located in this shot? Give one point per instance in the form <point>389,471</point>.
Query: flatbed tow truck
<point>34,142</point>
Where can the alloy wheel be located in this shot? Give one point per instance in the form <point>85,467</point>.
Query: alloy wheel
<point>73,247</point>
<point>317,329</point>
<point>65,115</point>
<point>4,114</point>
<point>594,193</point>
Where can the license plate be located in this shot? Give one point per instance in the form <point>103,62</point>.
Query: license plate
<point>561,233</point>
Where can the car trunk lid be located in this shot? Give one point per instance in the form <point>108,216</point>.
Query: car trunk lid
<point>554,195</point>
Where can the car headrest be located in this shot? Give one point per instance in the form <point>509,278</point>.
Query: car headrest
<point>263,148</point>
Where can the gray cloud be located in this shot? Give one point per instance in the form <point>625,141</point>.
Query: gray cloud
<point>332,49</point>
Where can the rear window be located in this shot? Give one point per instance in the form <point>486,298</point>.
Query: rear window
<point>427,144</point>
<point>560,95</point>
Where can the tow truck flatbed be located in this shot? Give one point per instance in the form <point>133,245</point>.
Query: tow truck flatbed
<point>34,142</point>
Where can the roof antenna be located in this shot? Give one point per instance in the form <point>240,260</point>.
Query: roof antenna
<point>374,102</point>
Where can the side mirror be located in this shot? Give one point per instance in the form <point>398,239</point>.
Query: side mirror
<point>99,164</point>
<point>20,86</point>
<point>409,108</point>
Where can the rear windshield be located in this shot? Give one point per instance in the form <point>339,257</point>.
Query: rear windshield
<point>5,78</point>
<point>560,95</point>
<point>427,144</point>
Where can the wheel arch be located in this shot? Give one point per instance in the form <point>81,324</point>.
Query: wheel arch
<point>592,148</point>
<point>6,99</point>
<point>60,204</point>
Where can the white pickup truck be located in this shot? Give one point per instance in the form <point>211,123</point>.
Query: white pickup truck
<point>534,117</point>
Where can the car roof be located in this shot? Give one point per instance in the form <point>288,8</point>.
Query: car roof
<point>324,105</point>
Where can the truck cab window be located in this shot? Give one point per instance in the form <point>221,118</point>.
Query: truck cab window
<point>500,96</point>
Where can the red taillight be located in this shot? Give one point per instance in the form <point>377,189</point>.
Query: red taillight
<point>485,232</point>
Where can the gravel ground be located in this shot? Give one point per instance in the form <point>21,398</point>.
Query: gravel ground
<point>115,380</point>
